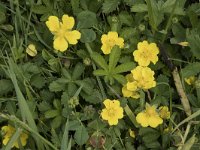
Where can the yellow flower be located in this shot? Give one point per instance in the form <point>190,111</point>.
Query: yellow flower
<point>183,43</point>
<point>144,77</point>
<point>8,133</point>
<point>112,112</point>
<point>146,53</point>
<point>130,89</point>
<point>164,112</point>
<point>191,80</point>
<point>31,50</point>
<point>149,117</point>
<point>110,40</point>
<point>131,133</point>
<point>62,31</point>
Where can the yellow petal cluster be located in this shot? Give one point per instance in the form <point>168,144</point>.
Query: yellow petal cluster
<point>191,80</point>
<point>146,53</point>
<point>112,111</point>
<point>164,112</point>
<point>184,44</point>
<point>110,40</point>
<point>8,132</point>
<point>131,88</point>
<point>144,77</point>
<point>149,117</point>
<point>31,50</point>
<point>62,31</point>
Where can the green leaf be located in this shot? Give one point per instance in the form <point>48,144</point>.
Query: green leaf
<point>94,97</point>
<point>46,55</point>
<point>6,86</point>
<point>110,5</point>
<point>100,72</point>
<point>154,13</point>
<point>38,81</point>
<point>190,142</point>
<point>58,85</point>
<point>168,6</point>
<point>65,144</point>
<point>120,78</point>
<point>124,67</point>
<point>114,57</point>
<point>51,113</point>
<point>78,71</point>
<point>99,60</point>
<point>87,35</point>
<point>126,18</point>
<point>40,9</point>
<point>191,70</point>
<point>139,8</point>
<point>193,37</point>
<point>56,122</point>
<point>86,19</point>
<point>81,135</point>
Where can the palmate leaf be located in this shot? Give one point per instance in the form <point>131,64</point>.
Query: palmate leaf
<point>78,71</point>
<point>191,70</point>
<point>110,5</point>
<point>114,57</point>
<point>99,60</point>
<point>81,135</point>
<point>124,67</point>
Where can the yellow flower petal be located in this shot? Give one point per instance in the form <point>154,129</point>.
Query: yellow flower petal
<point>73,36</point>
<point>112,35</point>
<point>106,49</point>
<point>31,50</point>
<point>53,23</point>
<point>191,80</point>
<point>142,119</point>
<point>183,43</point>
<point>126,92</point>
<point>113,121</point>
<point>132,86</point>
<point>68,22</point>
<point>131,133</point>
<point>60,44</point>
<point>154,121</point>
<point>164,112</point>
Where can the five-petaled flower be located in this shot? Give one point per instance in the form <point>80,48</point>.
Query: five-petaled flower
<point>110,40</point>
<point>149,117</point>
<point>146,53</point>
<point>144,77</point>
<point>8,132</point>
<point>112,112</point>
<point>62,31</point>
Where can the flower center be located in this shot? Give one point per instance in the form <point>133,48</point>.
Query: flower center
<point>111,112</point>
<point>150,111</point>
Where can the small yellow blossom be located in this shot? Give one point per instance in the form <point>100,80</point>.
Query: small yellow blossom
<point>183,43</point>
<point>131,133</point>
<point>130,89</point>
<point>149,117</point>
<point>146,53</point>
<point>164,112</point>
<point>8,132</point>
<point>191,80</point>
<point>112,112</point>
<point>144,77</point>
<point>31,50</point>
<point>62,31</point>
<point>110,40</point>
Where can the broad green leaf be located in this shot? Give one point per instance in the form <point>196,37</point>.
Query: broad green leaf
<point>78,71</point>
<point>56,122</point>
<point>126,18</point>
<point>191,70</point>
<point>51,113</point>
<point>58,85</point>
<point>86,19</point>
<point>168,6</point>
<point>71,88</point>
<point>87,35</point>
<point>120,78</point>
<point>193,37</point>
<point>114,57</point>
<point>124,67</point>
<point>110,5</point>
<point>154,13</point>
<point>139,8</point>
<point>81,135</point>
<point>100,72</point>
<point>99,60</point>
